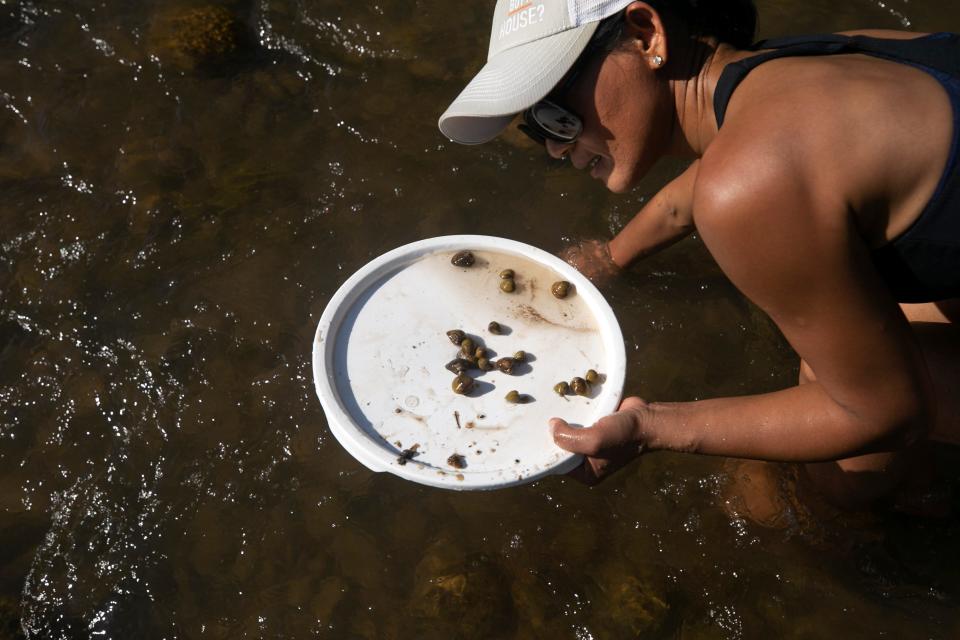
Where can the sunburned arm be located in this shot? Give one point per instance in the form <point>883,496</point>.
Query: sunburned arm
<point>796,254</point>
<point>661,222</point>
<point>667,218</point>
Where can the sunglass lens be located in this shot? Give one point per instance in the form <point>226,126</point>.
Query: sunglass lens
<point>532,133</point>
<point>555,121</point>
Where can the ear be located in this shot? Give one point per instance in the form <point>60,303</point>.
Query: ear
<point>643,24</point>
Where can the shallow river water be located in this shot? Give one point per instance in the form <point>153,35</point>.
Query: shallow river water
<point>185,185</point>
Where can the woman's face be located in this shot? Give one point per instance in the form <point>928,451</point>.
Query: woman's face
<point>623,108</point>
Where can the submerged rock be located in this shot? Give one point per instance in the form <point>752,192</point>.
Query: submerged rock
<point>631,605</point>
<point>199,37</point>
<point>469,599</point>
<point>10,619</point>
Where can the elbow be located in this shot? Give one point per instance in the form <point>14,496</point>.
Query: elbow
<point>907,424</point>
<point>911,432</point>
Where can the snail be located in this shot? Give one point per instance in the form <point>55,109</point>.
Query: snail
<point>494,328</point>
<point>462,259</point>
<point>458,365</point>
<point>484,364</point>
<point>562,388</point>
<point>507,285</point>
<point>456,336</point>
<point>462,383</point>
<point>520,356</point>
<point>592,376</point>
<point>515,397</point>
<point>580,386</point>
<point>505,364</point>
<point>467,347</point>
<point>506,274</point>
<point>560,289</point>
<point>480,352</point>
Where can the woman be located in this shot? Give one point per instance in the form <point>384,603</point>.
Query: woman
<point>824,183</point>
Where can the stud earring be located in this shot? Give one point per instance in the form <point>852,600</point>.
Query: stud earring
<point>657,61</point>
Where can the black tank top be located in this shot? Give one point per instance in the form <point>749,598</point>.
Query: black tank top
<point>923,263</point>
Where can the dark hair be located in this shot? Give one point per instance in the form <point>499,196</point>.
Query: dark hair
<point>730,21</point>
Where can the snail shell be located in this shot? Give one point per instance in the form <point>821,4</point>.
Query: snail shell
<point>507,285</point>
<point>462,259</point>
<point>456,336</point>
<point>560,289</point>
<point>592,376</point>
<point>458,365</point>
<point>520,356</point>
<point>506,274</point>
<point>580,386</point>
<point>462,383</point>
<point>513,396</point>
<point>562,388</point>
<point>505,365</point>
<point>495,328</point>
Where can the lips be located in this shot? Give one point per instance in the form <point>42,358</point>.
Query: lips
<point>589,164</point>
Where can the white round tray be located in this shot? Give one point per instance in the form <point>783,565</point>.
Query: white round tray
<point>380,352</point>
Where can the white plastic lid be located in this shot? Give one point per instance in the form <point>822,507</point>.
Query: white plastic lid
<point>381,347</point>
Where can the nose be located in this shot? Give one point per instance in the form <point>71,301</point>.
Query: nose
<point>558,150</point>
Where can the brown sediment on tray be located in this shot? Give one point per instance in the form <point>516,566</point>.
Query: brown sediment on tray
<point>456,417</point>
<point>409,414</point>
<point>527,312</point>
<point>471,424</point>
<point>459,477</point>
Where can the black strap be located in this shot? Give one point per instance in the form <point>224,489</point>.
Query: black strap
<point>940,51</point>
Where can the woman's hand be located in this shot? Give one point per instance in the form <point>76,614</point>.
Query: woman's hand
<point>592,259</point>
<point>608,445</point>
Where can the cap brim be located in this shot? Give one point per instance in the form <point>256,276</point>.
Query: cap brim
<point>509,83</point>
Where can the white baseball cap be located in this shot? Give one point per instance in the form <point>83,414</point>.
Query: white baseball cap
<point>533,43</point>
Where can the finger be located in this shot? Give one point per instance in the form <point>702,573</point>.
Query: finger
<point>583,474</point>
<point>587,472</point>
<point>632,402</point>
<point>574,440</point>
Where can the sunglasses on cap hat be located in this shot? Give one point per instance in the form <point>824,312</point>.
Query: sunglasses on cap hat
<point>547,120</point>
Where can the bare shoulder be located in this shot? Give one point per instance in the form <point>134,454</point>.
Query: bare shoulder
<point>764,167</point>
<point>856,133</point>
<point>764,213</point>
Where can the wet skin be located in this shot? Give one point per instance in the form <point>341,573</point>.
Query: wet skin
<point>774,172</point>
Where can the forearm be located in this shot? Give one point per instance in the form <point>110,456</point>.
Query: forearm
<point>800,424</point>
<point>664,220</point>
<point>651,230</point>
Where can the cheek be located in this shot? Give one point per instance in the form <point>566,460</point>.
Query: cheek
<point>621,110</point>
